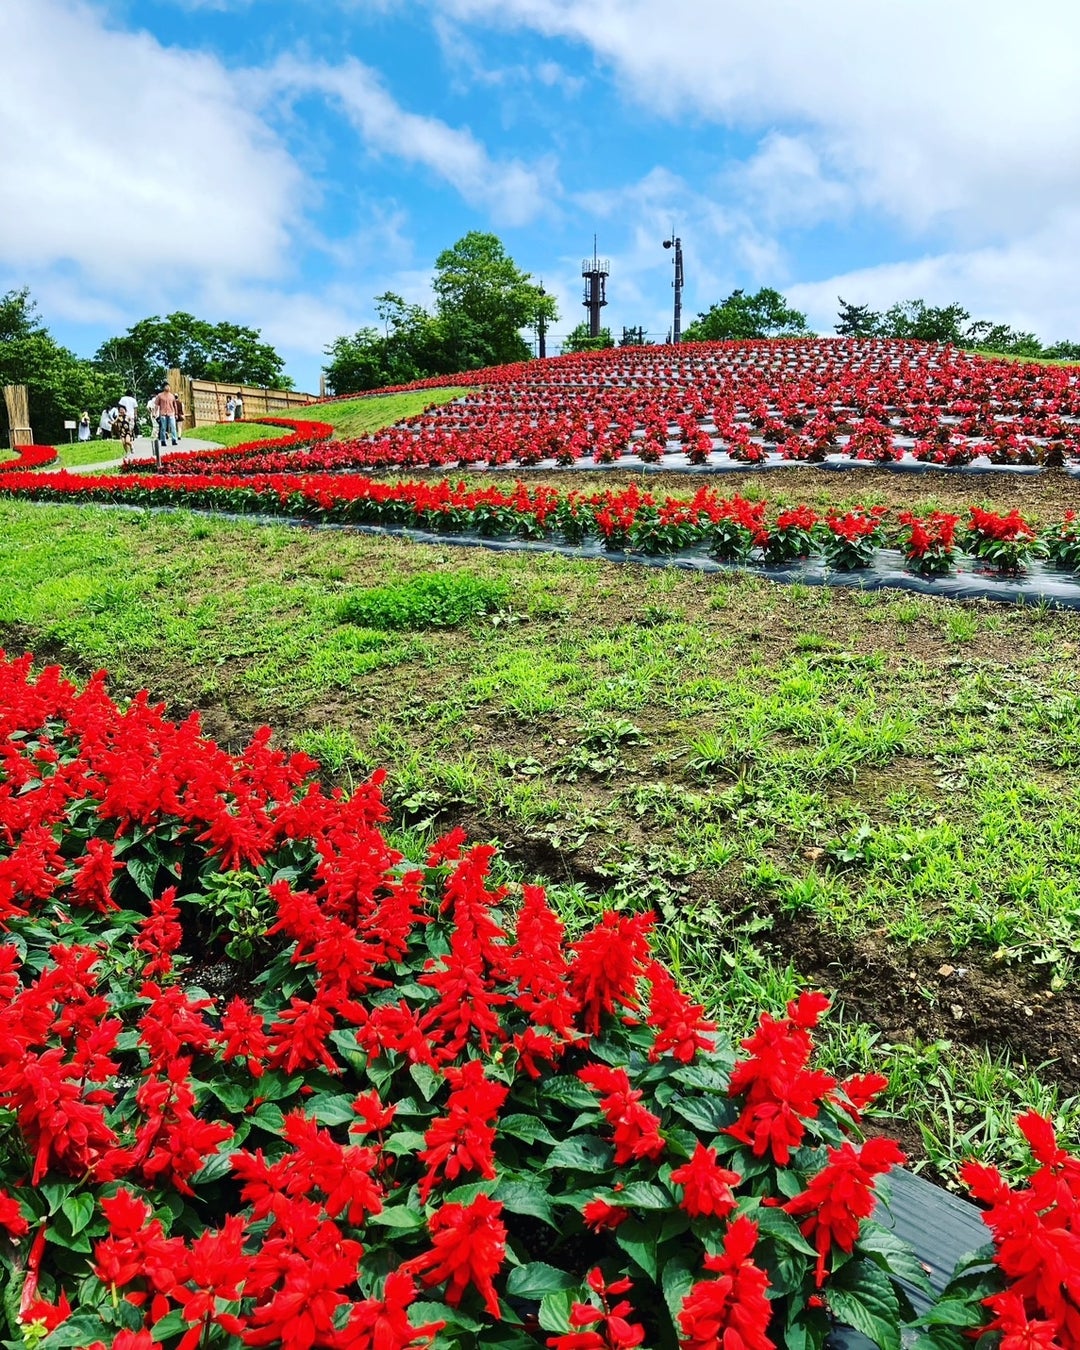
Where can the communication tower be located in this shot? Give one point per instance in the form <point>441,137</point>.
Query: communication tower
<point>596,272</point>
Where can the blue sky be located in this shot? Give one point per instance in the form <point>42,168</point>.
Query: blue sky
<point>281,162</point>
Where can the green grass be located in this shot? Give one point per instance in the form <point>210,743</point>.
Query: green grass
<point>349,417</point>
<point>858,789</point>
<point>237,433</point>
<point>357,416</point>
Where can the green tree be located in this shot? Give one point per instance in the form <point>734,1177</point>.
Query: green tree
<point>59,384</point>
<point>765,314</point>
<point>858,321</point>
<point>226,352</point>
<point>483,300</point>
<point>578,340</point>
<point>410,347</point>
<point>925,323</point>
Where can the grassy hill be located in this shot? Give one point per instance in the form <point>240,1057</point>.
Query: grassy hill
<point>349,417</point>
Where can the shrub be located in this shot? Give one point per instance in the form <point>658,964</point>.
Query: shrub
<point>429,600</point>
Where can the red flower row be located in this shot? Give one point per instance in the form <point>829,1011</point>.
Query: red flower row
<point>411,1074</point>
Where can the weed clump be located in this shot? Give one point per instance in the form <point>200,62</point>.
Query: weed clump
<point>428,600</point>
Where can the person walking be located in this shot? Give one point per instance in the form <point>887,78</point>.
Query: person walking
<point>130,405</point>
<point>230,409</point>
<point>166,421</point>
<point>238,407</point>
<point>105,422</point>
<point>179,417</point>
<point>84,426</point>
<point>123,430</point>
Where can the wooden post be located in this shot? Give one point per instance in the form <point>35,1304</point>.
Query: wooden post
<point>18,411</point>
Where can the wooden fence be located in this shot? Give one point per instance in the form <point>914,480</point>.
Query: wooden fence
<point>204,401</point>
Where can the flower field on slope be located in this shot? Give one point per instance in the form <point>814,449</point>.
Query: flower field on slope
<point>414,1114</point>
<point>870,401</point>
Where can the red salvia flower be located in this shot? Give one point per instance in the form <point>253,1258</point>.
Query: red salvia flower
<point>636,1133</point>
<point>608,961</point>
<point>706,1185</point>
<point>468,1245</point>
<point>732,1311</point>
<point>841,1195</point>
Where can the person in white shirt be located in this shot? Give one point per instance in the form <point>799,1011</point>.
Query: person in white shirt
<point>238,407</point>
<point>131,407</point>
<point>108,417</point>
<point>230,409</point>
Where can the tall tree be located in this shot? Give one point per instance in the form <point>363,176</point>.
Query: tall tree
<point>226,352</point>
<point>925,323</point>
<point>59,384</point>
<point>856,320</point>
<point>483,300</point>
<point>579,340</point>
<point>765,314</point>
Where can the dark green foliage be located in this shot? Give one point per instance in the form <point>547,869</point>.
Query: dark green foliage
<point>766,314</point>
<point>578,340</point>
<point>60,386</point>
<point>429,600</point>
<point>483,300</point>
<point>226,352</point>
<point>856,320</point>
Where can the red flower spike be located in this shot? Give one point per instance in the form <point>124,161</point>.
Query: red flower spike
<point>841,1196</point>
<point>468,1245</point>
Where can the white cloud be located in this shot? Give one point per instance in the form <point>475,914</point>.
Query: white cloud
<point>512,191</point>
<point>1030,283</point>
<point>964,113</point>
<point>134,164</point>
<point>785,183</point>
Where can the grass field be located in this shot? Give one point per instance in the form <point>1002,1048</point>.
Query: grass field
<point>876,793</point>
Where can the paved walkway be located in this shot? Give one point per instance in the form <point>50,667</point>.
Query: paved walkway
<point>143,448</point>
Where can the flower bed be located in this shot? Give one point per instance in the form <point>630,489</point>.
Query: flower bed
<point>718,404</point>
<point>30,457</point>
<point>414,1113</point>
<point>731,529</point>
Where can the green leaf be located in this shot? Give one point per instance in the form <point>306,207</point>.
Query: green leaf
<point>404,1142</point>
<point>215,1167</point>
<point>676,1281</point>
<point>269,1117</point>
<point>425,1311</point>
<point>399,1216</point>
<point>528,1128</point>
<point>427,1080</point>
<point>568,1091</point>
<point>896,1255</point>
<point>521,1195</point>
<point>708,1114</point>
<point>861,1295</point>
<point>586,1152</point>
<point>643,1195</point>
<point>638,1240</point>
<point>172,1324</point>
<point>707,1074</point>
<point>335,1110</point>
<point>537,1279</point>
<point>143,871</point>
<point>953,1312</point>
<point>233,1096</point>
<point>774,1223</point>
<point>78,1210</point>
<point>79,1329</point>
<point>56,1192</point>
<point>555,1308</point>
